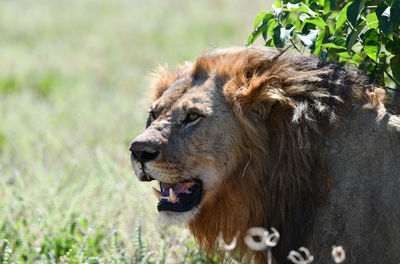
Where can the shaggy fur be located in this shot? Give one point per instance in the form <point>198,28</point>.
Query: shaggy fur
<point>311,151</point>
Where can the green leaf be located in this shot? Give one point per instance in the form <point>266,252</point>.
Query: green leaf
<point>352,37</point>
<point>300,7</point>
<point>303,17</point>
<point>258,19</point>
<point>277,3</point>
<point>276,36</point>
<point>372,20</point>
<point>395,15</point>
<point>253,36</point>
<point>298,23</point>
<point>332,45</point>
<point>342,17</point>
<point>344,55</point>
<point>281,35</point>
<point>371,51</point>
<point>395,65</point>
<point>371,43</point>
<point>354,10</point>
<point>318,21</point>
<point>264,19</point>
<point>309,39</point>
<point>270,28</point>
<point>371,37</point>
<point>393,46</point>
<point>357,58</point>
<point>329,5</point>
<point>351,40</point>
<point>266,24</point>
<point>383,14</point>
<point>250,39</point>
<point>262,28</point>
<point>334,14</point>
<point>277,10</point>
<point>318,43</point>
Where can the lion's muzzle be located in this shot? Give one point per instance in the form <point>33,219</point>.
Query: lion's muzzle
<point>175,194</point>
<point>145,148</point>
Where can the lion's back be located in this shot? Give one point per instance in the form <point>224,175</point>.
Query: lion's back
<point>362,157</point>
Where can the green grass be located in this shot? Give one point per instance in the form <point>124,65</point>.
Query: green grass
<point>72,97</point>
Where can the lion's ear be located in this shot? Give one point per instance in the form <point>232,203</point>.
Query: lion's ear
<point>256,92</point>
<point>258,82</point>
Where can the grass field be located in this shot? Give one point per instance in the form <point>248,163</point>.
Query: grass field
<point>72,97</point>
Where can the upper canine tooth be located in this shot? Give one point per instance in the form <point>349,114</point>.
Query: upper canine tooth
<point>157,193</point>
<point>172,196</point>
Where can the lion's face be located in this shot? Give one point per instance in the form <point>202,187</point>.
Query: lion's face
<point>186,146</point>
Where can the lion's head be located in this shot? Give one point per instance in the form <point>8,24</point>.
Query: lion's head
<point>230,139</point>
<point>187,146</point>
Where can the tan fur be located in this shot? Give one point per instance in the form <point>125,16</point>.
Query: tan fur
<point>281,107</point>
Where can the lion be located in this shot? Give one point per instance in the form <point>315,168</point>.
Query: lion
<point>258,137</point>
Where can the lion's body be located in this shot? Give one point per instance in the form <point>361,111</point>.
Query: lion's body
<point>287,142</point>
<point>362,157</point>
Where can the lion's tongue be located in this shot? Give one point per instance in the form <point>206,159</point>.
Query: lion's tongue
<point>177,188</point>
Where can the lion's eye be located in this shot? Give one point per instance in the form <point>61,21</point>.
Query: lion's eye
<point>152,116</point>
<point>191,117</point>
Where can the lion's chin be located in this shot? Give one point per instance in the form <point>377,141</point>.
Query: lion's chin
<point>177,218</point>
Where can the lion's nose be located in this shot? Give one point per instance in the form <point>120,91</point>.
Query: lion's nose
<point>143,152</point>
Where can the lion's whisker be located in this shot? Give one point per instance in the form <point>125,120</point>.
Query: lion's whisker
<point>247,165</point>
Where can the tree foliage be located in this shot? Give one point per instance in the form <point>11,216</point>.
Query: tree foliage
<point>360,32</point>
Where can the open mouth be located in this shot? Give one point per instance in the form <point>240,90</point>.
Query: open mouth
<point>179,197</point>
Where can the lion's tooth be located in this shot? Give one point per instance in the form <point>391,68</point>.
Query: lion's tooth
<point>172,196</point>
<point>157,193</point>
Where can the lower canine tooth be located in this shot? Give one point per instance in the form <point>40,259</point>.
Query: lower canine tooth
<point>172,196</point>
<point>157,193</point>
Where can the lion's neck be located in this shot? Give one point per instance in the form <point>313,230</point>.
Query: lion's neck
<point>238,205</point>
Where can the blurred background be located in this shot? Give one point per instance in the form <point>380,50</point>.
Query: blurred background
<point>72,97</point>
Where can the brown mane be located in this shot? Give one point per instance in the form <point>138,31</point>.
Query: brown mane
<point>283,102</point>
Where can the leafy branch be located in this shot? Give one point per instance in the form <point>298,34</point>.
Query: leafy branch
<point>364,33</point>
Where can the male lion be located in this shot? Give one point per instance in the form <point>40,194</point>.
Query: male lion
<point>254,137</point>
